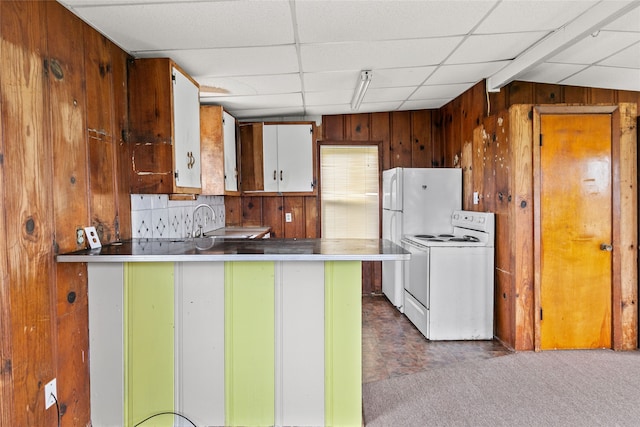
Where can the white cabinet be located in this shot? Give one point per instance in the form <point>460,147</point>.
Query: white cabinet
<point>230,162</point>
<point>164,128</point>
<point>288,157</point>
<point>186,119</point>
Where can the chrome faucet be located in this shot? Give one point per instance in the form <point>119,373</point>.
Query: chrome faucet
<point>193,219</point>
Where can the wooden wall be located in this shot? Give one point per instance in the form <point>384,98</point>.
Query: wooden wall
<point>485,171</point>
<point>63,89</point>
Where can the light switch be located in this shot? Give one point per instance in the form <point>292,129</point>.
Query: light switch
<point>287,217</point>
<point>476,198</point>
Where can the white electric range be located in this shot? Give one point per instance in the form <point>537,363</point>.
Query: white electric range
<point>449,281</point>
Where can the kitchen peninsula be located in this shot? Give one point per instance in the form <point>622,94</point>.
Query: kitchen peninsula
<point>228,331</point>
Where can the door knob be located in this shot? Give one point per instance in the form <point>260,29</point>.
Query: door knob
<point>606,247</point>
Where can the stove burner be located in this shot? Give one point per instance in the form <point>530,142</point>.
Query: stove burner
<point>445,235</point>
<point>458,239</point>
<point>425,236</point>
<point>470,238</point>
<point>435,240</point>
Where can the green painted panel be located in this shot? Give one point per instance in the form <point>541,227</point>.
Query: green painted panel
<point>249,344</point>
<point>149,342</point>
<point>343,343</point>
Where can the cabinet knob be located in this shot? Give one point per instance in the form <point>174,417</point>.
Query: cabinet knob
<point>280,175</point>
<point>274,175</point>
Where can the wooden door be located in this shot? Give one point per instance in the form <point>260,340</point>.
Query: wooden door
<point>575,220</point>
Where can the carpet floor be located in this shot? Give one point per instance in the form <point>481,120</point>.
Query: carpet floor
<point>552,388</point>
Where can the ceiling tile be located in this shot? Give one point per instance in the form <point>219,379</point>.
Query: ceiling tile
<point>339,21</point>
<point>254,85</point>
<point>440,91</point>
<point>551,72</point>
<point>607,78</point>
<point>368,55</point>
<point>328,97</point>
<point>493,47</point>
<point>524,16</point>
<point>629,58</point>
<point>467,73</point>
<point>192,25</point>
<point>247,61</point>
<point>424,104</point>
<point>596,47</point>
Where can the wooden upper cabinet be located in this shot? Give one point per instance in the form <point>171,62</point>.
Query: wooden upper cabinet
<point>164,128</point>
<point>219,151</point>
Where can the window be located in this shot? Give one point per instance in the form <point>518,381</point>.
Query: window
<point>349,191</point>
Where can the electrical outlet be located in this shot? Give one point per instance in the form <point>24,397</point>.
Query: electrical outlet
<point>287,217</point>
<point>50,393</point>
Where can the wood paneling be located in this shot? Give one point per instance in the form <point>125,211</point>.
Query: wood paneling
<point>233,211</point>
<point>273,215</point>
<point>71,206</point>
<point>252,211</point>
<point>295,206</point>
<point>28,342</point>
<point>421,147</point>
<point>380,132</point>
<point>400,147</point>
<point>63,93</point>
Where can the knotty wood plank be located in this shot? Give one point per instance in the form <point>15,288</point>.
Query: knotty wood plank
<point>357,127</point>
<point>381,131</point>
<point>627,337</point>
<point>547,93</point>
<point>421,147</point>
<point>400,147</point>
<point>71,208</point>
<point>123,151</point>
<point>312,225</point>
<point>102,150</point>
<point>333,128</point>
<point>251,211</point>
<point>233,211</point>
<point>66,88</point>
<point>27,206</point>
<point>273,215</point>
<point>522,223</point>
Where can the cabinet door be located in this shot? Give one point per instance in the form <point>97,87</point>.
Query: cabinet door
<point>270,157</point>
<point>186,132</point>
<point>295,157</point>
<point>230,166</point>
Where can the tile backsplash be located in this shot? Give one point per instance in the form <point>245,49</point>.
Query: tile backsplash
<point>155,216</point>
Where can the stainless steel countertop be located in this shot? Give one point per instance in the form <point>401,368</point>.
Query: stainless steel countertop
<point>230,249</point>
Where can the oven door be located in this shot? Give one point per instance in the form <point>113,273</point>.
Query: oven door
<point>416,272</point>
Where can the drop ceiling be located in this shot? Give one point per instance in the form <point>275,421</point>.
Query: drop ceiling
<point>302,58</point>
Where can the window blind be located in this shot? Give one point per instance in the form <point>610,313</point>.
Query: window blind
<point>349,191</point>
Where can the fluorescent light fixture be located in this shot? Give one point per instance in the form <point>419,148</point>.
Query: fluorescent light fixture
<point>361,89</point>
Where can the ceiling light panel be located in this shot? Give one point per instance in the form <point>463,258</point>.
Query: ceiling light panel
<point>330,21</point>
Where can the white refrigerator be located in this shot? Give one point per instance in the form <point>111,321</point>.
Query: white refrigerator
<point>415,201</point>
